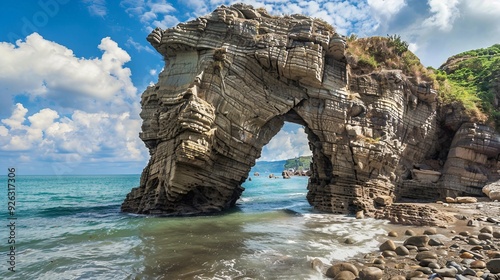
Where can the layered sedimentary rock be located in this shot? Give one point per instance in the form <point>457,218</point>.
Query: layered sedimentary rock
<point>231,80</point>
<point>472,161</point>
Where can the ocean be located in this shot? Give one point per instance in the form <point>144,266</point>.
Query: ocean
<point>71,227</point>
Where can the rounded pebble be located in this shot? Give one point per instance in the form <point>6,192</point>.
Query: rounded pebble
<point>478,264</point>
<point>493,265</point>
<point>345,275</point>
<point>430,231</point>
<point>388,245</point>
<point>343,266</point>
<point>392,234</point>
<point>426,255</point>
<point>466,255</point>
<point>349,241</point>
<point>485,236</point>
<point>487,229</point>
<point>371,273</point>
<point>388,254</point>
<point>410,232</point>
<point>402,251</point>
<point>435,242</point>
<point>417,240</point>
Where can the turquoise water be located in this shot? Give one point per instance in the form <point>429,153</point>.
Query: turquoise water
<point>71,227</point>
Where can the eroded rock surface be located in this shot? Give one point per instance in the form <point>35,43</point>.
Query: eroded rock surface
<point>231,80</point>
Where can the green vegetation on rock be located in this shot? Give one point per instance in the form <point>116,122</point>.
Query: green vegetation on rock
<point>377,53</point>
<point>476,74</point>
<point>299,163</point>
<point>471,78</point>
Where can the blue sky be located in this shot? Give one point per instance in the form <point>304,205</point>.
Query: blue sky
<point>72,71</point>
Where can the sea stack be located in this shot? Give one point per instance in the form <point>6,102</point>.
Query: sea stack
<point>233,77</point>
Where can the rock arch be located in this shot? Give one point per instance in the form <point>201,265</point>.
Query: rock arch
<point>233,77</point>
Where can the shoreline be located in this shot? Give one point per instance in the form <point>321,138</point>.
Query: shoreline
<point>468,248</point>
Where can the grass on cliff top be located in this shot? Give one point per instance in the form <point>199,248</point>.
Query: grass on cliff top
<point>470,78</point>
<point>477,72</point>
<point>377,53</point>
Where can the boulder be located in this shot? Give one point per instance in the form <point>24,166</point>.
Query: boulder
<point>492,190</point>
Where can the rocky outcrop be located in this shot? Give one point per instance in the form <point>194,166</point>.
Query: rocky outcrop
<point>472,160</point>
<point>231,80</point>
<point>414,214</point>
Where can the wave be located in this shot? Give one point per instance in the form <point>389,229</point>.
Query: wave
<point>92,210</point>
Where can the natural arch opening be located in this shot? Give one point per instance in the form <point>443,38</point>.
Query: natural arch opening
<point>278,180</point>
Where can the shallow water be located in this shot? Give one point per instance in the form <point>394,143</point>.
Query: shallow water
<point>70,227</point>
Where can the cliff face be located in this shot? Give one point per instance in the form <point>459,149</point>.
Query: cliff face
<point>233,77</point>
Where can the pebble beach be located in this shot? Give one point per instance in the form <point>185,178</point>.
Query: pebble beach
<point>468,248</point>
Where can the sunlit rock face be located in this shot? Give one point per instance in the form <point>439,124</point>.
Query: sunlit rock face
<point>231,80</point>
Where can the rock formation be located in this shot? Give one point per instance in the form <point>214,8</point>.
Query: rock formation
<point>231,80</point>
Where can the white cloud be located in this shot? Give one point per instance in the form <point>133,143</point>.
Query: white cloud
<point>132,43</point>
<point>285,145</point>
<point>152,13</point>
<point>96,7</point>
<point>3,131</point>
<point>102,122</point>
<point>444,13</point>
<point>24,158</point>
<point>346,16</point>
<point>41,68</point>
<point>43,119</point>
<point>445,28</point>
<point>85,136</point>
<point>413,47</point>
<point>483,7</point>
<point>17,118</point>
<point>386,8</point>
<point>167,22</point>
<point>422,25</point>
<point>199,7</point>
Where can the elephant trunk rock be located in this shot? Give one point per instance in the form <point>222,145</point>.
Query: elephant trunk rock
<point>232,78</point>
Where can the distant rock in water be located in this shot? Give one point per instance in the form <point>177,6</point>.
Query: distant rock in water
<point>233,77</point>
